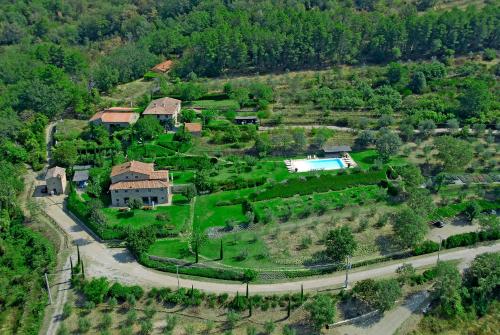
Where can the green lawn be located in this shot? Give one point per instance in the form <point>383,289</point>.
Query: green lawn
<point>243,249</point>
<point>172,248</point>
<point>208,214</point>
<point>366,158</point>
<point>178,215</point>
<point>67,130</point>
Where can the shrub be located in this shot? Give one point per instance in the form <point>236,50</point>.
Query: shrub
<point>425,247</point>
<point>135,203</point>
<point>121,292</point>
<point>83,325</point>
<point>96,290</point>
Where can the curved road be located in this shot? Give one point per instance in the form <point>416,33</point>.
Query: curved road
<point>118,265</point>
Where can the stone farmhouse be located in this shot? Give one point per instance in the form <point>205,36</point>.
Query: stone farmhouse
<point>55,179</point>
<point>115,117</point>
<point>164,109</point>
<point>139,180</point>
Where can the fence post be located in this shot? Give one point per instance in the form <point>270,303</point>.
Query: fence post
<point>48,288</point>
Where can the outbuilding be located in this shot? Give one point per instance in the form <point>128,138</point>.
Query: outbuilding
<point>335,150</point>
<point>55,180</point>
<point>81,178</point>
<point>242,120</point>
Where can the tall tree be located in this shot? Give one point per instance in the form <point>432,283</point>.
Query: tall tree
<point>454,154</point>
<point>340,243</point>
<point>409,227</point>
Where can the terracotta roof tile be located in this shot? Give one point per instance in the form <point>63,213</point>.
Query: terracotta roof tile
<point>163,66</point>
<point>160,174</point>
<point>163,106</point>
<point>193,127</point>
<point>132,166</point>
<point>139,184</point>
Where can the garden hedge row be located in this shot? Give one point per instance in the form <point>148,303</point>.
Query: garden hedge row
<point>225,274</point>
<point>319,183</point>
<point>455,241</point>
<point>79,208</point>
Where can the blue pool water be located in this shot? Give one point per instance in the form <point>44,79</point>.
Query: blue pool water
<point>324,164</point>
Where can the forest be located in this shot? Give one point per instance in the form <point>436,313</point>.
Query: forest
<point>62,59</point>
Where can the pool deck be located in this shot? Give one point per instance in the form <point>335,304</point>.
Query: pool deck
<point>296,165</point>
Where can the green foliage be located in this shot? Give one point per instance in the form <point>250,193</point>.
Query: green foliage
<point>482,280</point>
<point>409,227</point>
<point>148,127</point>
<point>381,294</point>
<point>340,243</point>
<point>96,290</point>
<point>388,144</point>
<point>321,183</point>
<point>65,154</point>
<point>453,153</point>
<point>139,240</point>
<point>321,310</point>
<point>447,289</point>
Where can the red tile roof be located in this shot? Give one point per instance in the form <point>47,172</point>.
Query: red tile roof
<point>192,127</point>
<point>115,117</point>
<point>163,66</point>
<point>132,166</point>
<point>160,174</point>
<point>163,106</point>
<point>139,184</point>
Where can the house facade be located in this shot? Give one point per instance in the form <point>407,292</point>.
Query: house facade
<point>164,109</point>
<point>139,180</point>
<point>55,180</point>
<point>115,117</point>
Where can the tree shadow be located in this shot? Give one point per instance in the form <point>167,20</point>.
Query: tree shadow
<point>387,244</point>
<point>124,257</point>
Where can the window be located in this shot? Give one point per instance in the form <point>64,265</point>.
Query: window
<point>136,177</point>
<point>116,191</point>
<point>126,191</point>
<point>126,177</point>
<point>149,190</point>
<point>137,191</point>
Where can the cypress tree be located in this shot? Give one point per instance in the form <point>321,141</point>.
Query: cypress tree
<point>301,293</point>
<point>221,253</point>
<point>78,254</point>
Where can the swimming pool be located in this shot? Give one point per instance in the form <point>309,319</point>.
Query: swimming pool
<point>305,165</point>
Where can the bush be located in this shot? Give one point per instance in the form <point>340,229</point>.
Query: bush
<point>120,292</point>
<point>96,290</point>
<point>425,247</point>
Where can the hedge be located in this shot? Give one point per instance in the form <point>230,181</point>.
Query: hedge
<point>79,208</point>
<point>225,274</point>
<point>320,183</point>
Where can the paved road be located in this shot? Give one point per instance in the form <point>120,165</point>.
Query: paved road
<point>390,321</point>
<point>118,264</point>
